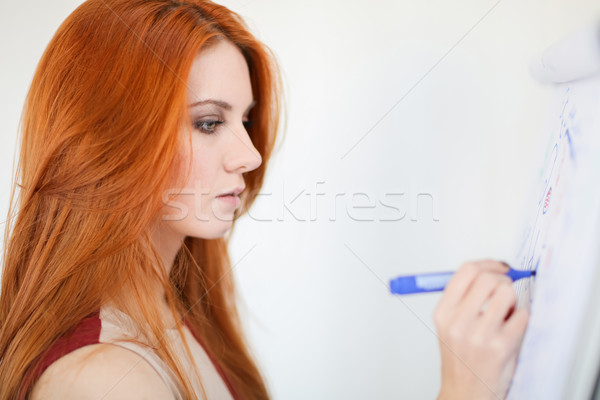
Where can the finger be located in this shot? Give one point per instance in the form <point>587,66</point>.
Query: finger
<point>482,289</point>
<point>457,285</point>
<point>516,326</point>
<point>462,280</point>
<point>492,265</point>
<point>502,301</point>
<point>495,266</point>
<point>514,331</point>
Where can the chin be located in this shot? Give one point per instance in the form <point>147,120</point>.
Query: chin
<point>214,232</point>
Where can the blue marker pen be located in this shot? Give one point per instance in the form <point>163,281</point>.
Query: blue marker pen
<point>434,282</point>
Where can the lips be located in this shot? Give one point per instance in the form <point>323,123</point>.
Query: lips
<point>231,198</point>
<point>233,192</point>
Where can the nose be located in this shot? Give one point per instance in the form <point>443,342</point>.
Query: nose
<point>241,155</point>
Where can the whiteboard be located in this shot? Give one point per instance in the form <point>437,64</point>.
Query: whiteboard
<point>561,239</point>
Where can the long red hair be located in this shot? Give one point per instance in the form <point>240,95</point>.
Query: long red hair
<point>99,147</point>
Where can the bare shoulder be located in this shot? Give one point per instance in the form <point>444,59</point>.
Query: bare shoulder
<point>102,371</point>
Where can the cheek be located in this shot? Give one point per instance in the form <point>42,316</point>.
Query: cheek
<point>196,165</point>
<point>196,212</point>
<point>202,171</point>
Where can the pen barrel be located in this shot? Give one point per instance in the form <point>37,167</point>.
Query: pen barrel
<point>437,281</point>
<point>420,283</point>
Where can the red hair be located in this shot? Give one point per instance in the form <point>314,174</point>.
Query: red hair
<point>99,146</point>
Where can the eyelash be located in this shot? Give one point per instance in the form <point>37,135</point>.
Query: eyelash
<point>201,126</point>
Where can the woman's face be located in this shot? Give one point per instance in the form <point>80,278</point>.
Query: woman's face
<point>219,97</point>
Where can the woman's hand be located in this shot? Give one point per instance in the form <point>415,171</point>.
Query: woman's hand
<point>479,347</point>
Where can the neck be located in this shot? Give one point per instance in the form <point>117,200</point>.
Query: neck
<point>167,243</point>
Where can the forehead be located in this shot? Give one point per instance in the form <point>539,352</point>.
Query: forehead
<point>220,71</point>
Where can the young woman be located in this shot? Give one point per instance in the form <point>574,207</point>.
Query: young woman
<point>145,134</point>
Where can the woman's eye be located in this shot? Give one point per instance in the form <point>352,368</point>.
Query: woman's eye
<point>208,126</point>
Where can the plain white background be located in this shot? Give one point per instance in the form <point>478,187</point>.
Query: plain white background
<point>425,106</point>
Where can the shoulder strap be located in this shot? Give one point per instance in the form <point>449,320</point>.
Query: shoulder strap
<point>86,332</point>
<point>232,390</point>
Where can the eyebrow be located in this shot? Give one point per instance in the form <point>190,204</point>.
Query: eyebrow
<point>219,103</point>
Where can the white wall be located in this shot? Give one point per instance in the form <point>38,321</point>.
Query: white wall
<point>385,97</point>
